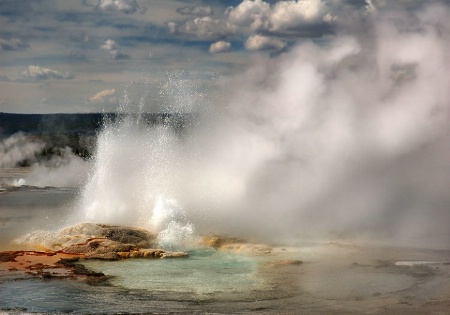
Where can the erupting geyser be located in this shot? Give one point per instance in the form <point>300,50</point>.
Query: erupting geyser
<point>270,186</point>
<point>343,139</point>
<point>135,174</point>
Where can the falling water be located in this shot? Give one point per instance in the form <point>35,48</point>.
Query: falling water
<point>137,169</point>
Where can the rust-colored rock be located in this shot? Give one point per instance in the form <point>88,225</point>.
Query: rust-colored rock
<point>80,242</point>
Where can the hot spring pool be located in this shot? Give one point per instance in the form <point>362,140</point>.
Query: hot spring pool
<point>206,271</point>
<point>208,280</point>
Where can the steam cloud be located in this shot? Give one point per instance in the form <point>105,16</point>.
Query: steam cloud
<point>66,170</point>
<point>62,170</point>
<point>17,148</point>
<point>343,139</point>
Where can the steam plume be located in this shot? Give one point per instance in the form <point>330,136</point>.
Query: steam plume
<point>342,139</point>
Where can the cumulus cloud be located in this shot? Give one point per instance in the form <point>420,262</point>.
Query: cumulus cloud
<point>40,73</point>
<point>251,14</point>
<point>290,15</point>
<point>259,42</point>
<point>280,18</point>
<point>124,6</point>
<point>12,44</point>
<point>301,18</point>
<point>196,10</point>
<point>107,95</point>
<point>114,50</point>
<point>201,27</point>
<point>220,47</point>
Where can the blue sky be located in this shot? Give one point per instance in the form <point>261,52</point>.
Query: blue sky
<point>80,55</point>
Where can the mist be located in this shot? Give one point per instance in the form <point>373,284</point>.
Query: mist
<point>65,170</point>
<point>345,138</point>
<point>17,148</point>
<point>62,168</point>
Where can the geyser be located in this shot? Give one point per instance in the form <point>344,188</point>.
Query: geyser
<point>345,138</point>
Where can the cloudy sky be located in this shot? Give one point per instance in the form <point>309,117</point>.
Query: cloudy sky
<point>80,55</point>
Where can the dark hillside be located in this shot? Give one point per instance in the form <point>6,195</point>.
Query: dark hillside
<point>49,123</point>
<point>76,131</point>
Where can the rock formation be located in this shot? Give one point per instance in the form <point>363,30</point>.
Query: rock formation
<point>65,250</point>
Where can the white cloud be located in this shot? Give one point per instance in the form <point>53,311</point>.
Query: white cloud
<point>202,27</point>
<point>40,73</point>
<point>109,45</point>
<point>251,14</point>
<point>107,95</point>
<point>172,27</point>
<point>196,10</point>
<point>259,42</point>
<point>114,50</point>
<point>289,15</point>
<point>125,6</point>
<point>256,17</point>
<point>370,7</point>
<point>12,44</point>
<point>281,17</point>
<point>220,47</point>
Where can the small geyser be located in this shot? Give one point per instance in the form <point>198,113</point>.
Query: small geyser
<point>137,173</point>
<point>169,221</point>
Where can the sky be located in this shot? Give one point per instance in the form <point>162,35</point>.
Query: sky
<point>81,55</point>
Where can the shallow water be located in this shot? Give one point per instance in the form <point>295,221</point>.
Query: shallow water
<point>334,278</point>
<point>206,271</point>
<point>26,208</point>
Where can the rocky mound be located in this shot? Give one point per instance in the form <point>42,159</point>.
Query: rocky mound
<point>83,233</point>
<point>64,251</point>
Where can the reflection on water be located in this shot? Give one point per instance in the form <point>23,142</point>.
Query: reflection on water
<point>34,295</point>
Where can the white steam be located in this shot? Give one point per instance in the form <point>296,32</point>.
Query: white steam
<point>17,148</point>
<point>65,170</point>
<point>343,139</point>
<point>58,170</point>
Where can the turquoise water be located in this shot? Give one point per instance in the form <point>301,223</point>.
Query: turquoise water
<point>206,281</point>
<point>62,296</point>
<point>206,271</point>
